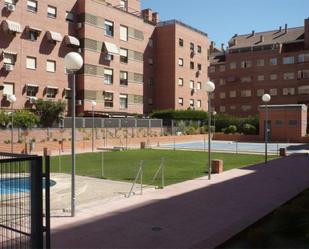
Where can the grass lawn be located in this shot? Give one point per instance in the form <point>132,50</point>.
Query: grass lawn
<point>179,165</point>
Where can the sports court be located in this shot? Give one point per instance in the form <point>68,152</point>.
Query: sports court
<point>238,147</point>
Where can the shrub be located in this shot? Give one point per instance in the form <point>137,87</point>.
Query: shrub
<point>49,111</point>
<point>180,115</point>
<point>231,129</point>
<point>25,119</point>
<point>4,119</point>
<point>249,129</point>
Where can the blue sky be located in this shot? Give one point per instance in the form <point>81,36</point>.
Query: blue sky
<point>221,19</point>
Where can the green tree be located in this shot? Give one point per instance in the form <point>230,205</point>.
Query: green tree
<point>4,119</point>
<point>24,119</point>
<point>49,111</point>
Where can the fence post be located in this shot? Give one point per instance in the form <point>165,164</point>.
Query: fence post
<point>47,198</point>
<point>36,203</point>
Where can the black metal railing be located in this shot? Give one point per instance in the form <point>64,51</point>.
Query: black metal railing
<point>24,220</point>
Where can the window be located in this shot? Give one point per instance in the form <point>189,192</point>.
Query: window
<point>8,88</point>
<point>232,94</point>
<point>9,58</point>
<point>260,63</point>
<point>303,90</point>
<point>273,77</point>
<point>123,33</point>
<point>246,108</point>
<point>31,90</point>
<point>51,92</point>
<point>233,65</point>
<point>67,93</point>
<point>222,95</point>
<point>123,4</point>
<point>273,62</point>
<point>233,107</point>
<point>212,69</point>
<point>245,79</point>
<point>288,60</point>
<point>180,101</point>
<point>245,93</point>
<point>246,64</point>
<point>51,66</point>
<point>222,68</point>
<point>123,101</point>
<point>180,42</point>
<point>31,63</point>
<point>261,77</point>
<point>180,82</point>
<point>108,99</point>
<point>150,43</point>
<point>260,92</point>
<point>222,82</point>
<point>199,104</point>
<point>199,85</point>
<point>151,81</point>
<point>279,122</point>
<point>288,76</point>
<point>303,58</point>
<point>69,16</point>
<point>32,5</point>
<point>191,46</point>
<point>33,35</point>
<point>123,55</point>
<point>123,78</point>
<point>288,91</point>
<point>191,65</point>
<point>191,103</point>
<point>150,101</point>
<point>199,49</point>
<point>303,74</point>
<point>199,67</point>
<point>273,92</point>
<point>191,84</point>
<point>222,108</point>
<point>109,28</point>
<point>150,61</point>
<point>51,11</point>
<point>180,62</point>
<point>108,76</point>
<point>293,122</point>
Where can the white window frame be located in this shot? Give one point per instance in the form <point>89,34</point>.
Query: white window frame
<point>124,33</point>
<point>51,66</point>
<point>8,88</point>
<point>31,62</point>
<point>51,11</point>
<point>108,76</point>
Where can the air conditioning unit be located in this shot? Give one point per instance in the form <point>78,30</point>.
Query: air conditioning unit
<point>11,7</point>
<point>79,25</point>
<point>8,67</point>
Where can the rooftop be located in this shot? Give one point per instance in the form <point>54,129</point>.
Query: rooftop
<point>174,22</point>
<point>280,36</point>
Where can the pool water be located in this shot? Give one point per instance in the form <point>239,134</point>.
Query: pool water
<point>18,185</point>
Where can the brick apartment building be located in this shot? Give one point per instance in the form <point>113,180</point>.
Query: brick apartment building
<point>125,51</point>
<point>274,62</point>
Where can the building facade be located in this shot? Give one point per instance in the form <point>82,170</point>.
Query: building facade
<point>124,49</point>
<point>274,62</point>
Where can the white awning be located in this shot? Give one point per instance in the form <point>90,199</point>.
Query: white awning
<point>111,48</point>
<point>54,36</point>
<point>53,87</point>
<point>5,52</point>
<point>11,26</point>
<point>71,40</point>
<point>32,85</point>
<point>34,29</point>
<point>67,89</point>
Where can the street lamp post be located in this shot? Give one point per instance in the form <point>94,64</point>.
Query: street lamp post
<point>266,98</point>
<point>210,88</point>
<point>93,105</point>
<point>12,100</point>
<point>73,62</point>
<point>214,113</point>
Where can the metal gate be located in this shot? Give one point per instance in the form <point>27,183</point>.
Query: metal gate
<point>24,219</point>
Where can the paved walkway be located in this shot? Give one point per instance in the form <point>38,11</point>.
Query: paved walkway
<point>193,214</point>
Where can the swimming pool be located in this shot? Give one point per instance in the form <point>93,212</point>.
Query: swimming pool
<point>18,185</point>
